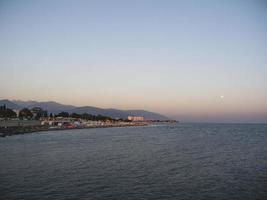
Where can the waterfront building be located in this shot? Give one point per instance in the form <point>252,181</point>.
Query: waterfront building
<point>136,118</point>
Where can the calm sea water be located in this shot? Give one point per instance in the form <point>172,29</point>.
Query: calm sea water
<point>184,161</point>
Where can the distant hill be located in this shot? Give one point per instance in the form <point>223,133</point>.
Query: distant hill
<point>115,113</point>
<point>9,104</point>
<point>50,106</point>
<point>54,107</point>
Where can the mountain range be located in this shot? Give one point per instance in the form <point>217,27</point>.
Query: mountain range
<point>54,107</point>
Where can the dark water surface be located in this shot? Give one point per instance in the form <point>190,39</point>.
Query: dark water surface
<point>184,161</point>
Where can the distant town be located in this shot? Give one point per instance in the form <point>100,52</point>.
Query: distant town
<point>20,121</point>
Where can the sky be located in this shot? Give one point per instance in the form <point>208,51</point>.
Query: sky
<point>195,61</point>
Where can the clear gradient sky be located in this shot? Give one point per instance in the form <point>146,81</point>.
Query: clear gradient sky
<point>191,60</point>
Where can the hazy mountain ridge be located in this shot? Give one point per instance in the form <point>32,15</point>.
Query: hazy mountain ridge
<point>24,103</point>
<point>54,107</point>
<point>9,104</point>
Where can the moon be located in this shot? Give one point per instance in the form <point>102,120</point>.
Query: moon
<point>221,96</point>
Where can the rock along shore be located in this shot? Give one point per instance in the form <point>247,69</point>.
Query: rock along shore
<point>9,131</point>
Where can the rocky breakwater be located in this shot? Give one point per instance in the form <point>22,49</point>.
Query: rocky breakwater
<point>14,127</point>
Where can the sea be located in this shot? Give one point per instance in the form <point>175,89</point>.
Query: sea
<point>164,161</point>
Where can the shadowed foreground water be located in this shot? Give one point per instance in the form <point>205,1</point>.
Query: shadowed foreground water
<point>184,161</point>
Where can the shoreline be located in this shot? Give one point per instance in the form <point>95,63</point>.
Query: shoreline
<point>21,130</point>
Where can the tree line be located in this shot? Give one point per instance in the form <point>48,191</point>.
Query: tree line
<point>25,113</point>
<point>84,116</point>
<point>7,113</point>
<point>37,113</point>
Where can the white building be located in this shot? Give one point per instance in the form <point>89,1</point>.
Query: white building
<point>136,118</point>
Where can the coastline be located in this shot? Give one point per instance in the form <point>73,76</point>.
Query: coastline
<point>21,130</point>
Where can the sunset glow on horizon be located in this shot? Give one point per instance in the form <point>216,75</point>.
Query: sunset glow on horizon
<point>194,61</point>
